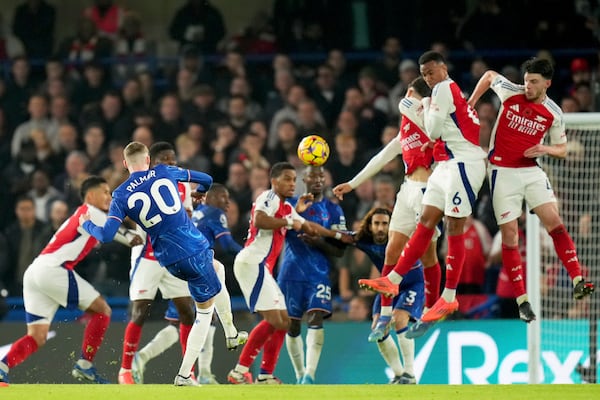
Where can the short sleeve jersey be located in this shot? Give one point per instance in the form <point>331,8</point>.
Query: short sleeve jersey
<point>522,124</point>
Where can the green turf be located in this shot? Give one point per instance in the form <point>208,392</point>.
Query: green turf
<point>293,392</point>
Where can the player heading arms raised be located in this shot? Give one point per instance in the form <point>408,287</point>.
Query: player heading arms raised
<point>408,207</point>
<point>525,117</point>
<point>452,187</point>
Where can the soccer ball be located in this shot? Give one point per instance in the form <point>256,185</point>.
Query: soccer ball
<point>313,150</point>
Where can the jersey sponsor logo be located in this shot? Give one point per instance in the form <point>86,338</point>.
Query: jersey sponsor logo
<point>412,141</point>
<point>523,124</point>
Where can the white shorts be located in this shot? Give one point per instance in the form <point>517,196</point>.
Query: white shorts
<point>510,186</point>
<point>408,208</point>
<point>453,187</point>
<point>46,287</point>
<point>147,276</point>
<point>259,287</point>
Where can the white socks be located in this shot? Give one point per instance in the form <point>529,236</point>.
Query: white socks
<point>395,277</point>
<point>164,339</point>
<point>206,355</point>
<point>223,303</point>
<point>315,337</point>
<point>196,339</point>
<point>295,348</point>
<point>449,295</point>
<point>407,348</point>
<point>389,351</point>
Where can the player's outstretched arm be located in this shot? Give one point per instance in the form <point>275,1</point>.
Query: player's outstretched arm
<point>484,83</point>
<point>376,164</point>
<point>103,234</point>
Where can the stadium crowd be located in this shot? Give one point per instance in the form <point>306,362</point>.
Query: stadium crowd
<point>233,104</point>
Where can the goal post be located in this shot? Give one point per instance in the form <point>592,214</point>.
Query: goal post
<point>566,330</point>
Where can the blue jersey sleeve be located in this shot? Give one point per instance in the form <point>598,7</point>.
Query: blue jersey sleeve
<point>228,244</point>
<point>104,234</point>
<point>203,180</point>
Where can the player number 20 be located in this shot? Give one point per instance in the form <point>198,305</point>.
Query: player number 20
<point>323,292</point>
<point>157,198</point>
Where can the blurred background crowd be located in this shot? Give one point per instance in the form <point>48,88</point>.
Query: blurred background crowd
<point>235,85</point>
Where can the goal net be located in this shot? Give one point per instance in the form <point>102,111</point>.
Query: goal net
<point>566,332</point>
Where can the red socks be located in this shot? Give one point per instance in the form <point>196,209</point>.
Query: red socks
<point>20,350</point>
<point>184,332</point>
<point>93,335</point>
<point>512,264</point>
<point>258,336</point>
<point>433,278</point>
<point>131,341</point>
<point>565,250</point>
<point>386,301</point>
<point>271,352</point>
<point>455,260</point>
<point>414,249</point>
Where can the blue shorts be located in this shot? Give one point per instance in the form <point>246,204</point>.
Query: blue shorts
<point>172,314</point>
<point>199,272</point>
<point>411,297</point>
<point>301,297</point>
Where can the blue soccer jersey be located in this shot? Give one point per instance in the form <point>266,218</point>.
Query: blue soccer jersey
<point>212,223</point>
<point>151,199</point>
<point>412,287</point>
<point>305,263</point>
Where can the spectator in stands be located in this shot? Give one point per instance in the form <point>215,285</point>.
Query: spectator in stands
<point>371,120</point>
<point>169,123</point>
<point>18,90</point>
<point>256,38</point>
<point>190,155</point>
<point>250,152</point>
<point>241,87</point>
<point>198,24</point>
<point>59,212</point>
<point>87,45</point>
<point>144,135</point>
<point>44,152</point>
<point>38,113</point>
<point>115,173</point>
<point>385,192</point>
<point>131,47</point>
<point>33,23</point>
<point>10,45</point>
<point>238,186</point>
<point>116,122</point>
<point>327,94</point>
<point>201,108</point>
<point>310,120</point>
<point>359,308</point>
<point>42,194</point>
<point>569,104</point>
<point>233,65</point>
<point>24,242</point>
<point>107,16</point>
<point>237,114</point>
<point>295,96</point>
<point>408,70</point>
<point>94,139</point>
<point>478,243</point>
<point>5,138</point>
<point>480,29</point>
<point>386,68</point>
<point>368,82</point>
<point>287,141</point>
<point>582,91</point>
<point>222,147</point>
<point>283,80</point>
<point>68,139</point>
<point>91,88</point>
<point>69,182</point>
<point>337,60</point>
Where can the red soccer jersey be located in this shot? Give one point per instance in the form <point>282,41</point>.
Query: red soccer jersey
<point>412,136</point>
<point>521,125</point>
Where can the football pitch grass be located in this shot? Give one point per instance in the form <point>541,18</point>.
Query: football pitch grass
<point>297,392</point>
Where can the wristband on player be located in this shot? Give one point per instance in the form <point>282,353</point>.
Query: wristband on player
<point>290,224</point>
<point>338,236</point>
